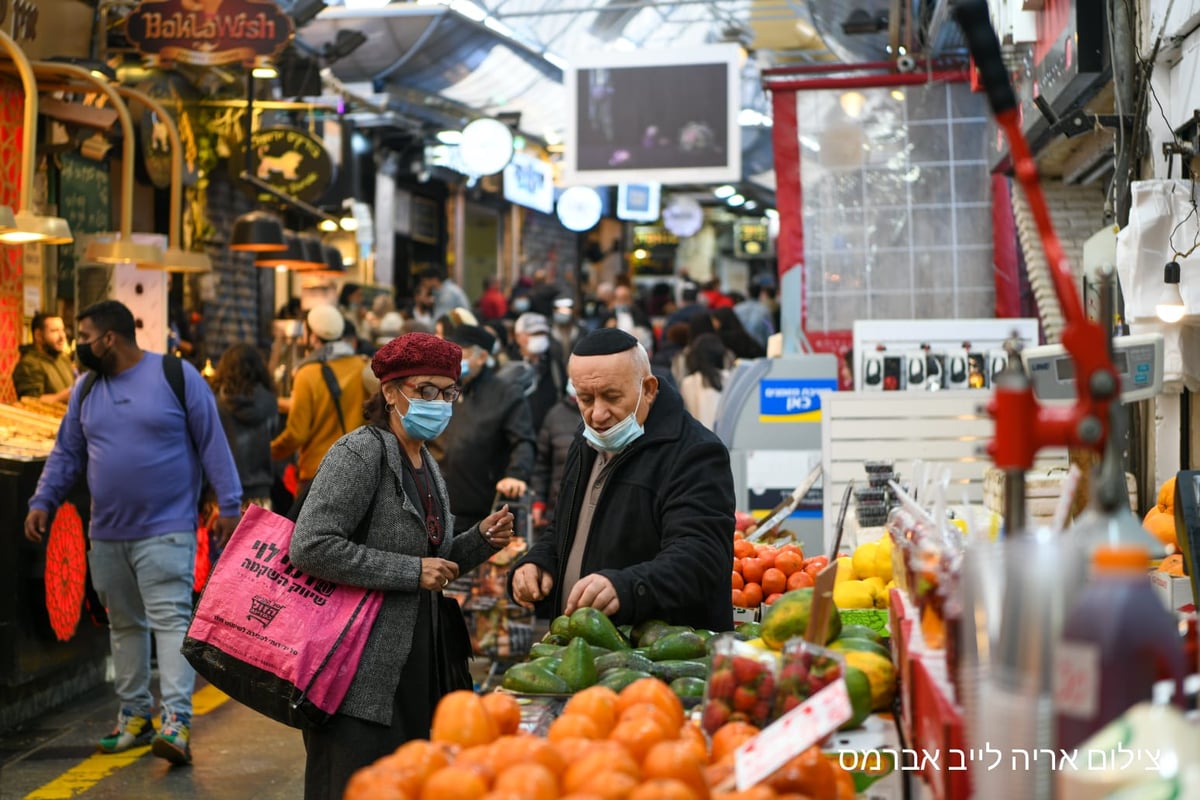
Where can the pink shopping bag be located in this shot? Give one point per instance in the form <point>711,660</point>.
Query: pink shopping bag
<point>284,643</point>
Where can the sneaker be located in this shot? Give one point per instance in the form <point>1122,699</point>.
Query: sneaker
<point>133,730</point>
<point>171,742</point>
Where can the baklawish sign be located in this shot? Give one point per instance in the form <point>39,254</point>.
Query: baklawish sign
<point>209,32</point>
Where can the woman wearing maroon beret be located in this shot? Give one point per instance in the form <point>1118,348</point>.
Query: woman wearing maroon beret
<point>409,552</point>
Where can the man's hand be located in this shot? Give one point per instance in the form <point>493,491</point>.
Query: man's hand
<point>497,528</point>
<point>594,591</point>
<point>223,527</point>
<point>531,584</point>
<point>35,524</point>
<point>510,487</point>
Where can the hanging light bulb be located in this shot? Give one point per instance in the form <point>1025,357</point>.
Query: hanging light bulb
<point>1170,307</point>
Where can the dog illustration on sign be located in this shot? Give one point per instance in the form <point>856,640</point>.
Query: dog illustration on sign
<point>285,165</point>
<point>160,139</point>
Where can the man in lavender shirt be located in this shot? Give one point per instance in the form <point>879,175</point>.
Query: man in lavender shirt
<point>143,455</point>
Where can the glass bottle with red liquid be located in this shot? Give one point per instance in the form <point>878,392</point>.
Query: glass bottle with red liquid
<point>1116,643</point>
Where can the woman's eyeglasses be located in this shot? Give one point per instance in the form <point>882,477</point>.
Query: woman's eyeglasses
<point>430,392</point>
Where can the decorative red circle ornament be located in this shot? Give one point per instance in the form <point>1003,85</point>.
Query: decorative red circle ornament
<point>203,562</point>
<point>66,572</point>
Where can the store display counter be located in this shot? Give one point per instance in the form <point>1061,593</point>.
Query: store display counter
<point>37,671</point>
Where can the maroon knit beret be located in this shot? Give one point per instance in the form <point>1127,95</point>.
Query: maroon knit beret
<point>417,354</point>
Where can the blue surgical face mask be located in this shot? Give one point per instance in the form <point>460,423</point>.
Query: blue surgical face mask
<point>465,368</point>
<point>426,419</point>
<point>619,436</point>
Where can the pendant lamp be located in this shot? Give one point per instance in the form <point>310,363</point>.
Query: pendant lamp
<point>26,227</point>
<point>257,232</point>
<point>120,248</point>
<point>290,258</point>
<point>175,259</point>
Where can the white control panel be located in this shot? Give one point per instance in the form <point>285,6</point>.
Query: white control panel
<point>1138,359</point>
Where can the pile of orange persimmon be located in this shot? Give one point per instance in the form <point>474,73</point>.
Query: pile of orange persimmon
<point>635,745</point>
<point>762,573</point>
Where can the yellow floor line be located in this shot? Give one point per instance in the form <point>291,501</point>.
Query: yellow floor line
<point>83,776</point>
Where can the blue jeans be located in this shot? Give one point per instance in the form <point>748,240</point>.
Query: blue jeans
<point>146,585</point>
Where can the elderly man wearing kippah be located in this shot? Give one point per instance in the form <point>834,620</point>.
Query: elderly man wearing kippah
<point>644,521</point>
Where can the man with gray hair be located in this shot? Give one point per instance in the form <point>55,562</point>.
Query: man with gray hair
<point>645,508</point>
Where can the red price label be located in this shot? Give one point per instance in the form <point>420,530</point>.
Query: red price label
<point>792,734</point>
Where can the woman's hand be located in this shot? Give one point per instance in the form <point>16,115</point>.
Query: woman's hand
<point>436,573</point>
<point>497,528</point>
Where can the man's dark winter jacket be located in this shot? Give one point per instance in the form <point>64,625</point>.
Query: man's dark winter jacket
<point>490,437</point>
<point>663,527</point>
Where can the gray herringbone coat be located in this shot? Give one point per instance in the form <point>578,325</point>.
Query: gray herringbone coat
<point>389,559</point>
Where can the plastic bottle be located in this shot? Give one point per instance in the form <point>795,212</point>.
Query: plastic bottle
<point>1117,642</point>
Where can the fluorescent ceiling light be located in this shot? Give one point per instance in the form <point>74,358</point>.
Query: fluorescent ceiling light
<point>624,43</point>
<point>724,191</point>
<point>449,137</point>
<point>736,200</point>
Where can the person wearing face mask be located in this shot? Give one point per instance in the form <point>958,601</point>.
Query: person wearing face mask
<point>488,447</point>
<point>642,521</point>
<point>143,455</point>
<point>537,365</point>
<point>413,547</point>
<point>565,328</point>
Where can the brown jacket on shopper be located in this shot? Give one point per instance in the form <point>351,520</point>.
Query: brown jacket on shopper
<point>312,422</point>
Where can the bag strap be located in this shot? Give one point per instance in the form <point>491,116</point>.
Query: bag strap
<point>335,389</point>
<point>360,534</point>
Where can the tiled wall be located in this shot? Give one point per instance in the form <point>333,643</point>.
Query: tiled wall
<point>233,314</point>
<point>896,205</point>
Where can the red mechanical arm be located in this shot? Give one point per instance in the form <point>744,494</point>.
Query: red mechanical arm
<point>1023,427</point>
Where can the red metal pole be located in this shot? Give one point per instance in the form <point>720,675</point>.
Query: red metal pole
<point>785,139</point>
<point>869,81</point>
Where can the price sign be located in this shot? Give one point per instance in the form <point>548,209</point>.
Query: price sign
<point>1077,679</point>
<point>792,734</point>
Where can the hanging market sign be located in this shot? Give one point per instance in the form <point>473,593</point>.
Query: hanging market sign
<point>293,161</point>
<point>209,32</point>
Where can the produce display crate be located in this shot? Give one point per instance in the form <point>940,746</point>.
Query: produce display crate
<point>1042,490</point>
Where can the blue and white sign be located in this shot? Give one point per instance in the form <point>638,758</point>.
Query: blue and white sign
<point>792,399</point>
<point>529,182</point>
<point>638,202</point>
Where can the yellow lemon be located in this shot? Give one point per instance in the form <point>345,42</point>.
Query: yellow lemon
<point>875,584</point>
<point>853,594</point>
<point>889,585</point>
<point>758,643</point>
<point>883,563</point>
<point>864,560</point>
<point>845,570</point>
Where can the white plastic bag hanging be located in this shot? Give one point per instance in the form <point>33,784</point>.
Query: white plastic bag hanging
<point>1162,223</point>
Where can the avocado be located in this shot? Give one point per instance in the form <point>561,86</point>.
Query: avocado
<point>746,631</point>
<point>549,663</point>
<point>687,687</point>
<point>671,669</point>
<point>641,629</point>
<point>618,679</point>
<point>592,625</point>
<point>623,659</point>
<point>680,645</point>
<point>554,638</point>
<point>545,649</point>
<point>561,626</point>
<point>532,679</point>
<point>578,667</point>
<point>654,634</point>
